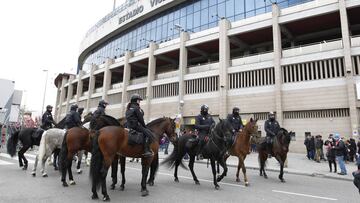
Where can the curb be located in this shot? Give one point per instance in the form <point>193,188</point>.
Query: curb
<point>318,175</point>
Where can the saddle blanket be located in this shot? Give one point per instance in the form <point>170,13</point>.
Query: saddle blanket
<point>135,137</point>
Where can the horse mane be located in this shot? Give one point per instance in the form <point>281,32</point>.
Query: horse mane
<point>156,121</point>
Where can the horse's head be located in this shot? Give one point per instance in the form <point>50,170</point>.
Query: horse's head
<point>162,126</point>
<point>170,128</point>
<point>224,130</point>
<point>88,117</point>
<point>251,127</point>
<point>284,138</point>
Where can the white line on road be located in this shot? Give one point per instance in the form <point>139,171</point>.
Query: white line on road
<point>304,195</point>
<point>190,178</point>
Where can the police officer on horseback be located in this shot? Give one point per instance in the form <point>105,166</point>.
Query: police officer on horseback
<point>135,120</point>
<point>235,119</point>
<point>272,128</point>
<point>100,111</point>
<point>73,118</point>
<point>203,124</point>
<point>80,111</point>
<point>47,118</point>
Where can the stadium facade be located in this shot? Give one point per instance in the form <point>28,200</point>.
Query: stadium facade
<point>298,58</point>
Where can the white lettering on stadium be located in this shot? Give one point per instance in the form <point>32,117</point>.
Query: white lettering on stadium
<point>131,14</point>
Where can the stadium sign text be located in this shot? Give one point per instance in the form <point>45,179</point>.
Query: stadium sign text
<point>155,2</point>
<point>131,14</point>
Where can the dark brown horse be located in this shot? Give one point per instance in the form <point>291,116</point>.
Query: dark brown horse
<point>77,139</point>
<point>241,147</point>
<point>112,141</point>
<point>279,151</point>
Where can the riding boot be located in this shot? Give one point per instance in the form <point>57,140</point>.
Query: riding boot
<point>269,151</point>
<point>147,151</point>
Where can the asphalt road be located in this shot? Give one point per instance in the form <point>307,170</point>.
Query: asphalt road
<point>17,185</point>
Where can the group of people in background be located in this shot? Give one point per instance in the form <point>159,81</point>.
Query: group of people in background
<point>337,151</point>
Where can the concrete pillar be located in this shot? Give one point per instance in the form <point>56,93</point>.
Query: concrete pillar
<point>277,60</point>
<point>70,91</point>
<point>224,63</point>
<point>150,78</point>
<point>107,78</point>
<point>183,62</point>
<point>354,119</point>
<point>79,87</point>
<point>126,79</point>
<point>57,104</point>
<point>91,87</point>
<point>62,95</point>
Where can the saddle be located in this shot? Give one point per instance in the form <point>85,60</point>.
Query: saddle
<point>135,137</point>
<point>36,135</point>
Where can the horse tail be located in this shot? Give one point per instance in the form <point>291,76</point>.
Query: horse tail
<point>96,161</point>
<point>173,157</point>
<point>42,146</point>
<point>12,142</point>
<point>63,154</point>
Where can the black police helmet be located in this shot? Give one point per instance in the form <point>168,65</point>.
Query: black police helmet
<point>135,97</point>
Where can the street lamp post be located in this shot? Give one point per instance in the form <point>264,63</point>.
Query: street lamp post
<point>43,103</point>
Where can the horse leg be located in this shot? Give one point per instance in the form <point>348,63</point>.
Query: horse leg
<point>217,167</point>
<point>114,170</point>
<point>238,170</point>
<point>191,166</point>
<point>104,172</point>
<point>122,164</point>
<point>33,173</point>
<point>280,160</point>
<point>224,166</point>
<point>177,163</point>
<point>78,166</point>
<point>263,160</point>
<point>153,169</point>
<point>21,164</point>
<point>71,178</point>
<point>241,162</point>
<point>214,173</point>
<point>43,161</point>
<point>145,171</point>
<point>56,155</point>
<point>63,172</point>
<point>21,156</point>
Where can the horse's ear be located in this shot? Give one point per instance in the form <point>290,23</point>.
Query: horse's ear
<point>251,120</point>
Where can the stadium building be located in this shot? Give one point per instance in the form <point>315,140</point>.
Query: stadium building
<point>298,58</point>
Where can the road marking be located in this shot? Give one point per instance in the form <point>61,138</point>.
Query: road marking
<point>5,163</point>
<point>304,195</point>
<point>190,178</point>
<point>15,158</point>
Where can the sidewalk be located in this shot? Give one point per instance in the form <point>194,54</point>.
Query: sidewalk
<point>297,164</point>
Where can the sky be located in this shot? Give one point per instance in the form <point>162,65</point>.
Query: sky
<point>39,35</point>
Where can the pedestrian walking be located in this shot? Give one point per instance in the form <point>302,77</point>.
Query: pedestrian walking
<point>352,150</point>
<point>330,153</point>
<point>339,153</point>
<point>307,145</point>
<point>318,148</point>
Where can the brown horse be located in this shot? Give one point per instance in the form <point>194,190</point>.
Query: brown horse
<point>279,151</point>
<point>77,139</point>
<point>112,141</point>
<point>241,147</point>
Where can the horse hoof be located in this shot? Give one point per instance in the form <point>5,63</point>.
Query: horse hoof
<point>122,188</point>
<point>217,187</point>
<point>72,182</point>
<point>247,184</point>
<point>44,175</point>
<point>282,180</point>
<point>33,174</point>
<point>106,198</point>
<point>144,193</point>
<point>265,176</point>
<point>261,174</point>
<point>79,171</point>
<point>238,180</point>
<point>56,168</point>
<point>24,168</point>
<point>176,180</point>
<point>65,184</point>
<point>94,196</point>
